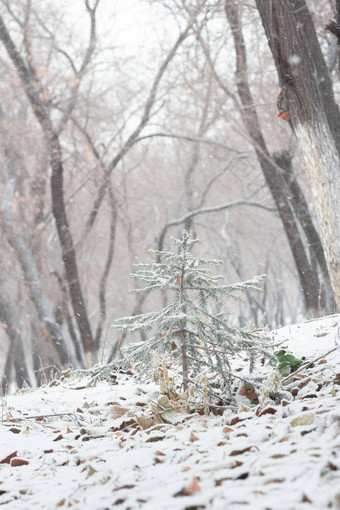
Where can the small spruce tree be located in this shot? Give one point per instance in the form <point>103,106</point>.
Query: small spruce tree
<point>187,330</point>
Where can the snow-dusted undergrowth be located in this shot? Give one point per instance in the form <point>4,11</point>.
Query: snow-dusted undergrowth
<point>74,446</point>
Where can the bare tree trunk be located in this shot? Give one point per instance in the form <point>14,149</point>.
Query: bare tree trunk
<point>272,176</point>
<point>34,91</point>
<point>106,272</point>
<point>67,248</point>
<point>66,315</point>
<point>313,114</point>
<point>15,356</point>
<point>303,215</point>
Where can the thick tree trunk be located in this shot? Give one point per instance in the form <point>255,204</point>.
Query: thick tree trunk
<point>314,115</point>
<point>302,213</point>
<point>271,172</point>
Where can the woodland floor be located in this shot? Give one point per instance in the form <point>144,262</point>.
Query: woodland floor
<point>68,445</point>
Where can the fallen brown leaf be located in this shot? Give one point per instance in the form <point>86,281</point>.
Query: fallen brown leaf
<point>332,466</point>
<point>284,439</point>
<point>303,419</point>
<point>240,452</point>
<point>18,462</point>
<point>267,410</point>
<point>154,439</point>
<point>275,480</point>
<point>127,486</point>
<point>243,476</point>
<point>190,489</point>
<point>193,438</point>
<point>14,430</point>
<point>125,425</point>
<point>250,394</point>
<point>117,411</point>
<point>7,459</point>
<point>219,482</point>
<point>237,419</point>
<point>236,464</point>
<point>146,422</point>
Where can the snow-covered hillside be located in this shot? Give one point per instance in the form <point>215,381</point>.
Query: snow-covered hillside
<point>69,445</point>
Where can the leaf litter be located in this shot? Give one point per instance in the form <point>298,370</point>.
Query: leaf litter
<point>123,445</point>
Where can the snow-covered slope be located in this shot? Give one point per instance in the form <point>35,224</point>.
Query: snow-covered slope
<point>73,446</point>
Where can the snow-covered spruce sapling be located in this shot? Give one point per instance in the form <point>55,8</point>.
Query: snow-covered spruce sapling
<point>187,330</point>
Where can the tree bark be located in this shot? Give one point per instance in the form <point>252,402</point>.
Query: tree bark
<point>302,213</point>
<point>272,174</point>
<point>313,113</point>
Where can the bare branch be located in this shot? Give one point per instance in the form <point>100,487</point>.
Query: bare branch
<point>206,210</point>
<point>191,139</point>
<point>80,74</point>
<point>142,123</point>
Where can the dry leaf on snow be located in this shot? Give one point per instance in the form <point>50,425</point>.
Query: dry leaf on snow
<point>240,452</point>
<point>190,489</point>
<point>146,421</point>
<point>117,411</point>
<point>15,430</point>
<point>18,462</point>
<point>266,410</point>
<point>304,419</point>
<point>7,460</point>
<point>250,394</point>
<point>193,438</point>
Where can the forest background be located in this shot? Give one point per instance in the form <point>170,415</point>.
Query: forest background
<point>123,123</point>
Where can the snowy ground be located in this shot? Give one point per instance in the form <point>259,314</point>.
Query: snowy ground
<point>73,446</point>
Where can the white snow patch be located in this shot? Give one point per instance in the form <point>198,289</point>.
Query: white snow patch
<point>80,454</point>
